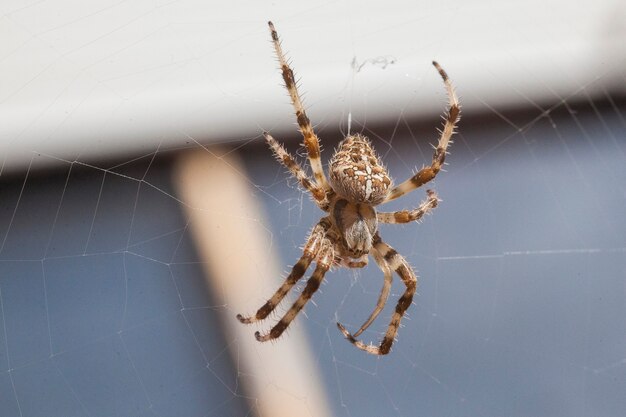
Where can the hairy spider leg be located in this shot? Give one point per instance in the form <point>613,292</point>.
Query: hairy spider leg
<point>311,141</point>
<point>384,292</point>
<point>407,216</point>
<point>289,162</point>
<point>311,250</point>
<point>401,267</point>
<point>426,174</point>
<point>324,261</point>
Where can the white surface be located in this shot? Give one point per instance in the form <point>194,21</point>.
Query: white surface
<point>86,80</point>
<point>265,369</point>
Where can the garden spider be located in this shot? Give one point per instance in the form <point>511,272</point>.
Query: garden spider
<point>349,233</point>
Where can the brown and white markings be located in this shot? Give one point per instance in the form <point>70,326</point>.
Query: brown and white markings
<point>348,234</point>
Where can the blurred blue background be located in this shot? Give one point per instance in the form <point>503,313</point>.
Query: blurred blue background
<point>111,305</point>
<point>520,310</point>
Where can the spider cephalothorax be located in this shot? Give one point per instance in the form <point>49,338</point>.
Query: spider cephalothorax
<point>356,224</point>
<point>349,233</point>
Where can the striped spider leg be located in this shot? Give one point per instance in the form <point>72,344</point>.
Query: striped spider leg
<point>285,158</point>
<point>407,216</point>
<point>404,216</point>
<point>398,264</point>
<point>450,120</point>
<point>318,248</point>
<point>357,183</point>
<point>311,141</point>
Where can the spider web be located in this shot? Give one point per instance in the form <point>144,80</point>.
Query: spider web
<point>104,308</point>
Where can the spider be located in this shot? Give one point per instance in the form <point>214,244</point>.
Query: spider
<point>349,233</point>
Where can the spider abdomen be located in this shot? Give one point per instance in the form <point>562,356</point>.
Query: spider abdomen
<point>356,172</point>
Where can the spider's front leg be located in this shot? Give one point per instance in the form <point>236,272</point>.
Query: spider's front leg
<point>428,173</point>
<point>311,141</point>
<point>384,292</point>
<point>398,264</point>
<point>404,216</point>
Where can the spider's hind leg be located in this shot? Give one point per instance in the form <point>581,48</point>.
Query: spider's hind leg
<point>324,261</point>
<point>311,250</point>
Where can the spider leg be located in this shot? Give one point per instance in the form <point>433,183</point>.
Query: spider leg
<point>311,141</point>
<point>311,250</point>
<point>296,170</point>
<point>407,216</point>
<point>398,264</point>
<point>324,261</point>
<point>384,293</point>
<point>428,173</point>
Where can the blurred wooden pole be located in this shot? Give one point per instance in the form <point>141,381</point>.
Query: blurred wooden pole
<point>235,246</point>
